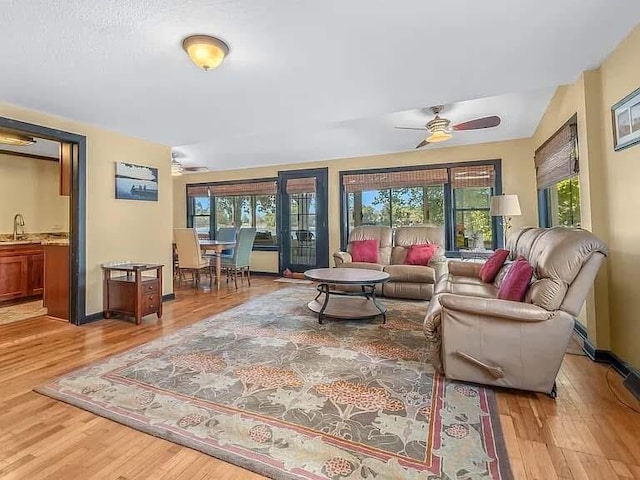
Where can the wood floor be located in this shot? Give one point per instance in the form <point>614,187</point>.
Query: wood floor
<point>584,434</point>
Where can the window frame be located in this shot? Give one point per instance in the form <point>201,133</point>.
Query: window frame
<point>544,205</point>
<point>212,208</point>
<point>449,210</point>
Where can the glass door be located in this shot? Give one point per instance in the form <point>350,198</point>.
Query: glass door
<point>303,229</point>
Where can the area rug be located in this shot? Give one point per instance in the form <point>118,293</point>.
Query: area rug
<point>22,311</point>
<point>265,387</point>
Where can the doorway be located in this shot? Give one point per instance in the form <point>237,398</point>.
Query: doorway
<point>303,219</point>
<point>73,183</point>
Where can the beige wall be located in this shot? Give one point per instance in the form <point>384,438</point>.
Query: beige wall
<point>30,187</point>
<point>609,182</point>
<point>619,76</point>
<point>116,229</point>
<point>517,177</point>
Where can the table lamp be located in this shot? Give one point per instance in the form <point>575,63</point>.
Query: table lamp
<point>505,206</point>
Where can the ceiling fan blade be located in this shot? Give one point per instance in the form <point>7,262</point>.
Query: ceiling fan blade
<point>422,144</point>
<point>411,128</point>
<point>479,123</point>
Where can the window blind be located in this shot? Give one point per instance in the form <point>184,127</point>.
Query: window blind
<point>473,176</point>
<point>301,185</point>
<point>233,189</point>
<point>404,179</point>
<point>197,190</point>
<point>557,158</point>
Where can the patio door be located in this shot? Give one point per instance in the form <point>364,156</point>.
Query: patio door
<point>303,223</point>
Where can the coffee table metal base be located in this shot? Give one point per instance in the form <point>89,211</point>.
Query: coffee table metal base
<point>347,305</point>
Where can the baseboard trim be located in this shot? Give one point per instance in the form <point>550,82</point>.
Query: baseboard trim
<point>94,317</point>
<point>630,374</point>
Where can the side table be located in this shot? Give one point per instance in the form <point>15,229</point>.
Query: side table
<point>132,293</point>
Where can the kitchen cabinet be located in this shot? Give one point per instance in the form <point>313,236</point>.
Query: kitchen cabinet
<point>56,280</point>
<point>35,276</point>
<point>21,271</point>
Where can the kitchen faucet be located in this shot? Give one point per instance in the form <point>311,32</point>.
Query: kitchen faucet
<point>18,221</point>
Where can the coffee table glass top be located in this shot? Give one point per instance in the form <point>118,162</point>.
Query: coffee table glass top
<point>356,276</point>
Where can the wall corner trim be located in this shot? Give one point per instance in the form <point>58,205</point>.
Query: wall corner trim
<point>630,374</point>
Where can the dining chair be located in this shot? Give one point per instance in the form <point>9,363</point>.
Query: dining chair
<point>227,234</point>
<point>240,261</point>
<point>190,257</point>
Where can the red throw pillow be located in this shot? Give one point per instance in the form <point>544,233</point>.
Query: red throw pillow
<point>420,254</point>
<point>365,251</point>
<point>493,265</point>
<point>516,281</point>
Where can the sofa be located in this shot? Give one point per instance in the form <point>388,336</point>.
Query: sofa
<point>476,337</point>
<point>406,281</point>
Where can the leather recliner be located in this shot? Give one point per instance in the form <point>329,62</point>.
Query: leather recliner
<point>479,338</point>
<point>407,281</point>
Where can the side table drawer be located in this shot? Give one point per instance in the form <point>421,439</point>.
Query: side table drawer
<point>150,302</point>
<point>150,286</point>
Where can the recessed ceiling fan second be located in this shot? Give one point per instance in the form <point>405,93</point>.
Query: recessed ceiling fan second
<point>439,127</point>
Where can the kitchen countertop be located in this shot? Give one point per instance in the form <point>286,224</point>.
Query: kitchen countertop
<point>57,241</point>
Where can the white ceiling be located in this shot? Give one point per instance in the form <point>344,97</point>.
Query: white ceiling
<point>305,79</point>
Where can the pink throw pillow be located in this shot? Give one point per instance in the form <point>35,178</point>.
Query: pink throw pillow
<point>493,265</point>
<point>420,254</point>
<point>365,251</point>
<point>516,281</point>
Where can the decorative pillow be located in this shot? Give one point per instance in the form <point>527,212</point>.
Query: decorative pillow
<point>365,251</point>
<point>493,265</point>
<point>516,282</point>
<point>420,254</point>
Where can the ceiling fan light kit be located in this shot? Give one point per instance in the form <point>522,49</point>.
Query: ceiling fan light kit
<point>205,51</point>
<point>439,136</point>
<point>176,167</point>
<point>16,139</point>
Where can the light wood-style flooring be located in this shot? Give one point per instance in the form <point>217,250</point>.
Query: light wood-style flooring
<point>584,434</point>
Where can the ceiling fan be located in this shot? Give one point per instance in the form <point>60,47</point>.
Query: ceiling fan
<point>178,169</point>
<point>440,127</point>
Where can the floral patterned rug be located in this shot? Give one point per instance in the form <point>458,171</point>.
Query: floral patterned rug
<point>265,387</point>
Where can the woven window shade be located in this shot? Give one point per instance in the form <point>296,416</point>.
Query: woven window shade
<point>557,159</point>
<point>301,185</point>
<point>379,181</point>
<point>197,190</point>
<point>240,189</point>
<point>473,176</point>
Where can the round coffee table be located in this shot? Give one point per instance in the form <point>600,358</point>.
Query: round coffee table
<point>343,304</point>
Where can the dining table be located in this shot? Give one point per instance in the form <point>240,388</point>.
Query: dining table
<point>217,246</point>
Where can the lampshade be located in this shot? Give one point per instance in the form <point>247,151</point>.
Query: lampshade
<point>10,138</point>
<point>505,206</point>
<point>438,136</point>
<point>205,51</point>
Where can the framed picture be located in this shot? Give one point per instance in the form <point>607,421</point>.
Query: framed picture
<point>136,182</point>
<point>626,121</point>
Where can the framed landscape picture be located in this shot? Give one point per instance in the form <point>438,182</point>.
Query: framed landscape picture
<point>626,121</point>
<point>136,182</point>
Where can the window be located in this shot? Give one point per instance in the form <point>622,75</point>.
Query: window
<point>557,177</point>
<point>202,216</point>
<point>401,197</point>
<point>472,188</point>
<point>243,204</point>
<point>562,203</point>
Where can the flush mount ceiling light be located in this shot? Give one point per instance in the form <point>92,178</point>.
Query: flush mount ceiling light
<point>176,166</point>
<point>205,51</point>
<point>10,138</point>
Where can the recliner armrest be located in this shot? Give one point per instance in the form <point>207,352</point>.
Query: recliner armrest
<point>465,269</point>
<point>341,257</point>
<point>493,307</point>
